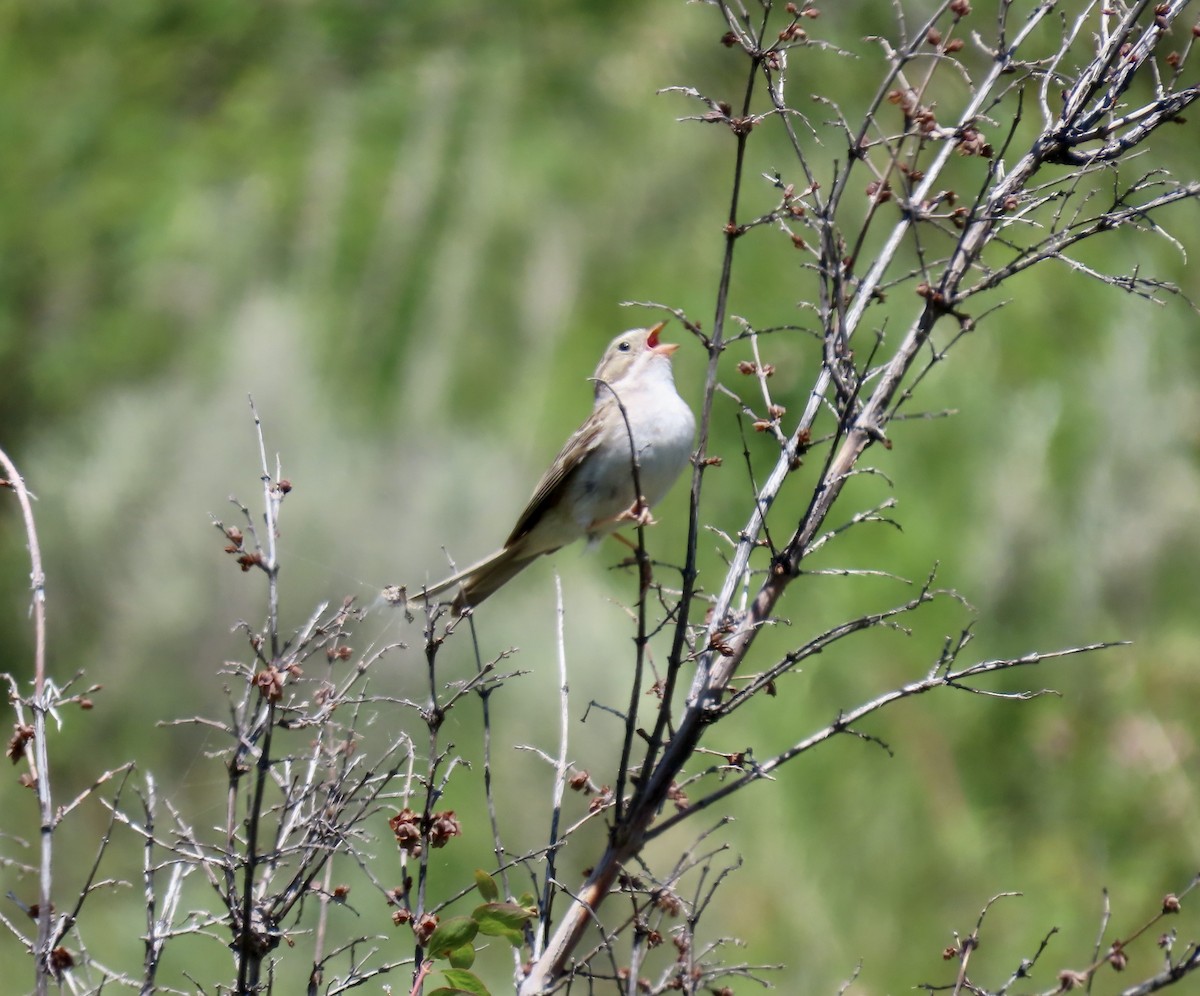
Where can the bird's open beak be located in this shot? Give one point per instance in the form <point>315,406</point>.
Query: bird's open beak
<point>662,348</point>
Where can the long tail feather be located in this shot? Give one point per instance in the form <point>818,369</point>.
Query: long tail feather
<point>476,582</point>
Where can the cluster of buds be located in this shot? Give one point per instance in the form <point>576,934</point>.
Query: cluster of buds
<point>970,142</point>
<point>411,829</point>
<point>271,679</point>
<point>916,112</point>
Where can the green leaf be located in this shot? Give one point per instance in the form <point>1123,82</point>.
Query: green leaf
<point>451,934</point>
<point>446,991</point>
<point>466,982</point>
<point>505,920</point>
<point>527,899</point>
<point>493,917</point>
<point>463,957</point>
<point>486,886</point>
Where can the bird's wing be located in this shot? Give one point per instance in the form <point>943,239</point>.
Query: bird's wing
<point>549,489</point>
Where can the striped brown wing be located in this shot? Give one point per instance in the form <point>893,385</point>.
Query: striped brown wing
<point>550,488</point>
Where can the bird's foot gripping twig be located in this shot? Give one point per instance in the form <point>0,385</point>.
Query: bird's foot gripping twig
<point>638,513</point>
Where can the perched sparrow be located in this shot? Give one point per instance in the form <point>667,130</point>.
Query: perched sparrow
<point>588,490</point>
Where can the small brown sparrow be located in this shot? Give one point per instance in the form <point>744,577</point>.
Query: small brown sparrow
<point>588,490</point>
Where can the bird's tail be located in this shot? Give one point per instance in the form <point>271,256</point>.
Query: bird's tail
<point>476,582</point>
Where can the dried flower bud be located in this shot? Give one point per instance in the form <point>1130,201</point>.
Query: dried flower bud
<point>269,682</point>
<point>602,799</point>
<point>1171,903</point>
<point>444,826</point>
<point>60,961</point>
<point>407,830</point>
<point>879,192</point>
<point>960,7</point>
<point>22,734</point>
<point>669,903</point>
<point>678,796</point>
<point>425,927</point>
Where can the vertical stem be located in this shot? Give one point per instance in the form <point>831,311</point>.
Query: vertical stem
<point>39,706</point>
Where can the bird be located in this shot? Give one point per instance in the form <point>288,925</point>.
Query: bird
<point>588,491</point>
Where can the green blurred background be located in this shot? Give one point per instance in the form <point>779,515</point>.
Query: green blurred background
<point>405,229</point>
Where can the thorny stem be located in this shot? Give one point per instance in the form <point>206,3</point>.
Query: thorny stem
<point>39,761</point>
<point>560,776</point>
<point>251,946</point>
<point>716,344</point>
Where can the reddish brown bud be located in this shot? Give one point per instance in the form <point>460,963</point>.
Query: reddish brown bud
<point>425,927</point>
<point>60,961</point>
<point>444,826</point>
<point>22,735</point>
<point>269,682</point>
<point>407,830</point>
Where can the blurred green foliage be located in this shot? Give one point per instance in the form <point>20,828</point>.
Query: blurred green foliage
<point>405,229</point>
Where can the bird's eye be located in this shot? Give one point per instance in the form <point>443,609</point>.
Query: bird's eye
<point>624,347</point>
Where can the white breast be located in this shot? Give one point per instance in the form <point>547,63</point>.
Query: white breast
<point>663,429</point>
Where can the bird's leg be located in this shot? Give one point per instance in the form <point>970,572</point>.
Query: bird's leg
<point>638,513</point>
<point>645,572</point>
